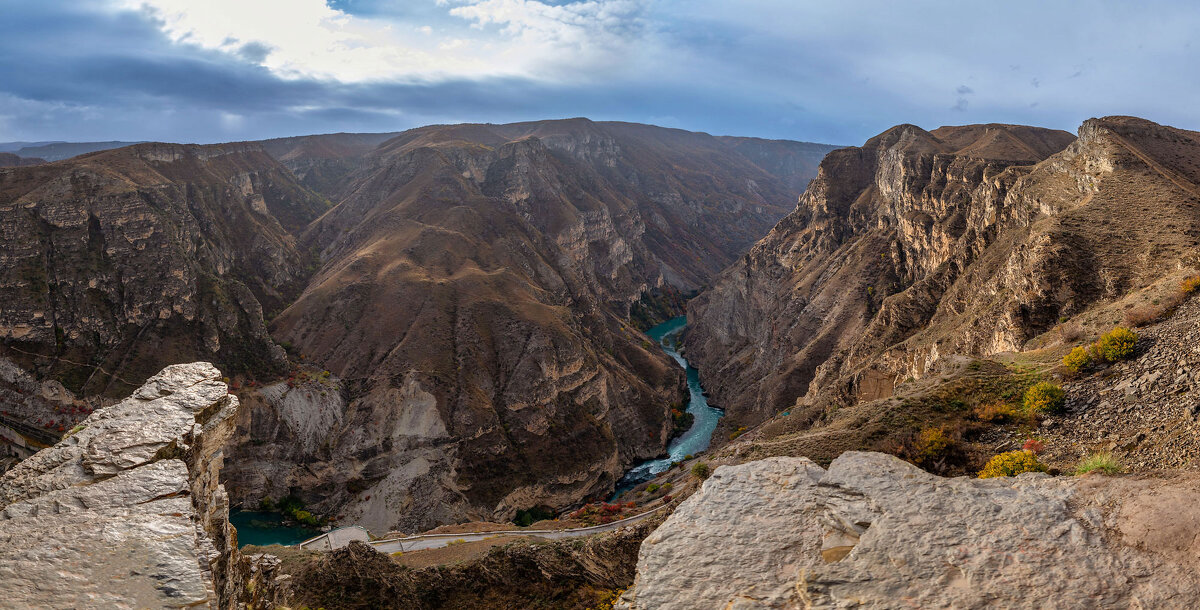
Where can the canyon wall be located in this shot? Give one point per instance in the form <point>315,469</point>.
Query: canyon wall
<point>968,240</point>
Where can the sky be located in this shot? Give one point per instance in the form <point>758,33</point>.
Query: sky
<point>835,71</point>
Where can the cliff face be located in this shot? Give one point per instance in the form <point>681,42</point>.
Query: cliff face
<point>967,240</point>
<point>472,305</point>
<point>118,262</point>
<point>127,511</point>
<point>874,531</point>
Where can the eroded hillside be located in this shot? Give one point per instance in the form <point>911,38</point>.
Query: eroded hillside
<point>119,262</point>
<point>474,302</point>
<point>965,240</point>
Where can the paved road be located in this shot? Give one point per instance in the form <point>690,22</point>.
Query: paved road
<point>342,537</point>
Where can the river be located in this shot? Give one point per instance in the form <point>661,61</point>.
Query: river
<point>263,528</point>
<point>697,438</point>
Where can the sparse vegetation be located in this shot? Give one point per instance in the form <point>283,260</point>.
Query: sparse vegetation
<point>1102,462</point>
<point>736,433</point>
<point>1189,285</point>
<point>1011,464</point>
<point>700,470</point>
<point>1044,398</point>
<point>996,412</point>
<point>1033,445</point>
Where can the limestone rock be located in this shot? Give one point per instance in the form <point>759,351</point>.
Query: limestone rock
<point>876,532</point>
<point>127,511</point>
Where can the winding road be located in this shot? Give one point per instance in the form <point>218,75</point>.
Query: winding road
<point>341,537</point>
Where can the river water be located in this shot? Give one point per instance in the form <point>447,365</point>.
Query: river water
<point>697,438</point>
<point>263,528</point>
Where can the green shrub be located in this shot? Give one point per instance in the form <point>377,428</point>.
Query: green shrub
<point>1077,360</point>
<point>1011,464</point>
<point>1044,397</point>
<point>651,488</point>
<point>700,470</point>
<point>1116,344</point>
<point>1102,462</point>
<point>529,516</point>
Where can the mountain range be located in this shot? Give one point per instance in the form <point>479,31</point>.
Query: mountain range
<point>425,327</point>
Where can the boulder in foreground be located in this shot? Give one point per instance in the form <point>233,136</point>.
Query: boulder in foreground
<point>876,532</point>
<point>127,512</point>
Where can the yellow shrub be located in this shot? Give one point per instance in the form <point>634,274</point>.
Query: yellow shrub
<point>1077,360</point>
<point>996,412</point>
<point>1190,285</point>
<point>1011,464</point>
<point>1116,344</point>
<point>1044,397</point>
<point>931,444</point>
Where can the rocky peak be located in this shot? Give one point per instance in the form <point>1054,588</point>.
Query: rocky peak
<point>127,511</point>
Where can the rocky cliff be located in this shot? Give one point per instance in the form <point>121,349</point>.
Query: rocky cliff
<point>968,240</point>
<point>473,306</point>
<point>873,531</point>
<point>118,262</point>
<point>127,511</point>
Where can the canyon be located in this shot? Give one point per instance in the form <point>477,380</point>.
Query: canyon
<point>423,327</point>
<point>449,328</point>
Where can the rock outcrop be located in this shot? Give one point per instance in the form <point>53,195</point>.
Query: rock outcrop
<point>965,240</point>
<point>876,532</point>
<point>473,304</point>
<point>127,511</point>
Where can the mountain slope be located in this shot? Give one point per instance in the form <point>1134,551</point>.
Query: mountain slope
<point>118,262</point>
<point>795,163</point>
<point>967,240</point>
<point>473,298</point>
<point>11,160</point>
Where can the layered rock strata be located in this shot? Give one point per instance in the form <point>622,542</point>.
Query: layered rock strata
<point>967,240</point>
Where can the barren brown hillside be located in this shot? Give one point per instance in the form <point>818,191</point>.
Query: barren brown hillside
<point>903,252</point>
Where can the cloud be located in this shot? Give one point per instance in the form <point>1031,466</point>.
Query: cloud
<point>838,72</point>
<point>299,39</point>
